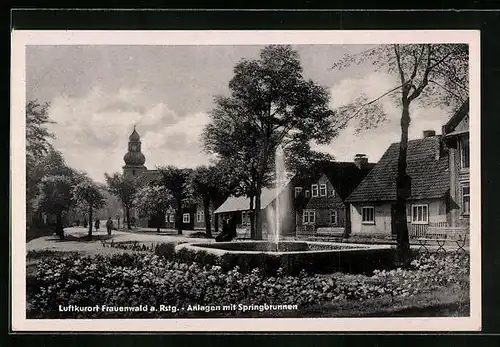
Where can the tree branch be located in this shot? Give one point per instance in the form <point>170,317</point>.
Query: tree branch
<point>417,62</point>
<point>448,91</point>
<point>369,103</point>
<point>398,60</point>
<point>424,81</point>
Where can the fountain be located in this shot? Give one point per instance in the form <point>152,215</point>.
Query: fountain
<point>292,256</point>
<point>276,214</point>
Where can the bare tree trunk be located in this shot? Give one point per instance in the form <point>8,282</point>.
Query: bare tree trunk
<point>59,226</point>
<point>206,212</point>
<point>403,184</point>
<point>127,211</point>
<point>216,223</point>
<point>258,219</point>
<point>90,224</point>
<point>179,217</point>
<point>252,219</point>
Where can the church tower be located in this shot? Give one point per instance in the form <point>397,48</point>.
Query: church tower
<point>134,159</point>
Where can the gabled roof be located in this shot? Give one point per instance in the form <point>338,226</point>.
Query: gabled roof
<point>344,176</point>
<point>242,203</point>
<point>456,118</point>
<point>430,175</point>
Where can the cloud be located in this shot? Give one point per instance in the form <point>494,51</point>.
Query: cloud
<point>374,142</point>
<point>92,131</point>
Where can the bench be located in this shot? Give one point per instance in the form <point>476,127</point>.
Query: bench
<point>329,234</point>
<point>305,232</point>
<point>457,235</point>
<point>440,235</point>
<point>424,237</point>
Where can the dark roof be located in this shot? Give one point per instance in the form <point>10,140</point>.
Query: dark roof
<point>430,175</point>
<point>456,118</point>
<point>344,176</point>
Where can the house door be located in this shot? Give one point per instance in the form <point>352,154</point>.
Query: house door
<point>393,219</point>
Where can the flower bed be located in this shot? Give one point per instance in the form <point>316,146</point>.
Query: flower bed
<point>128,280</point>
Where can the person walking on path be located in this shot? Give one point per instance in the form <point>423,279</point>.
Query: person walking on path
<point>109,225</point>
<point>97,224</point>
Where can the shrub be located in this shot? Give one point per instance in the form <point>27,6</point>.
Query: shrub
<point>166,250</point>
<point>147,279</point>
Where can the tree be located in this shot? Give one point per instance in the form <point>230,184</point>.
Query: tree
<point>51,164</point>
<point>89,198</point>
<point>270,104</point>
<point>176,181</point>
<point>432,74</point>
<point>207,184</point>
<point>55,198</point>
<point>37,135</point>
<point>153,201</point>
<point>37,149</point>
<point>123,188</point>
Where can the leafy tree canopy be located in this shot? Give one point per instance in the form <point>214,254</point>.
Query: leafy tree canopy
<point>152,200</point>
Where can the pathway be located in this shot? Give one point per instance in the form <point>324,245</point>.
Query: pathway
<point>76,240</point>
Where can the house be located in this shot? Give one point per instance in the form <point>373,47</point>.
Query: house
<point>372,202</point>
<point>440,194</point>
<point>313,199</point>
<point>456,138</point>
<point>321,201</point>
<point>193,218</point>
<point>239,209</point>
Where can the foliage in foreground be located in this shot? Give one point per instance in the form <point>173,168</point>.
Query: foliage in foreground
<point>143,279</point>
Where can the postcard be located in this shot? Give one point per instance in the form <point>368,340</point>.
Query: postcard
<point>218,181</point>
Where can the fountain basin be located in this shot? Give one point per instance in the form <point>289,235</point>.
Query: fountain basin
<point>290,256</point>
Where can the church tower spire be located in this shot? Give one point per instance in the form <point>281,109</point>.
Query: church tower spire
<point>134,159</point>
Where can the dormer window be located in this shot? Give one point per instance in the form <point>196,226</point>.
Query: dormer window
<point>322,190</point>
<point>314,190</point>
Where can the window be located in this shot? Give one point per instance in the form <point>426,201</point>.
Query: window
<point>333,216</point>
<point>464,152</point>
<point>297,191</point>
<point>133,172</point>
<point>466,199</point>
<point>322,190</point>
<point>171,218</point>
<point>199,216</point>
<point>332,193</point>
<point>308,217</point>
<point>368,215</point>
<point>186,218</point>
<point>245,218</point>
<point>420,214</point>
<point>314,190</point>
<point>307,194</point>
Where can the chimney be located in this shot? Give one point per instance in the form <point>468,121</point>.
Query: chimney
<point>429,133</point>
<point>360,160</point>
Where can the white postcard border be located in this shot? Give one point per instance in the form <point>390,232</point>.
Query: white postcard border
<point>20,39</point>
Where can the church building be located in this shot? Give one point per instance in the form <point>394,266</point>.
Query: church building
<point>134,168</point>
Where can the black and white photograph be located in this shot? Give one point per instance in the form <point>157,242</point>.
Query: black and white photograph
<point>218,181</point>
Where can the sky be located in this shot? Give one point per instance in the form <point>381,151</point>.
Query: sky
<point>98,93</point>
